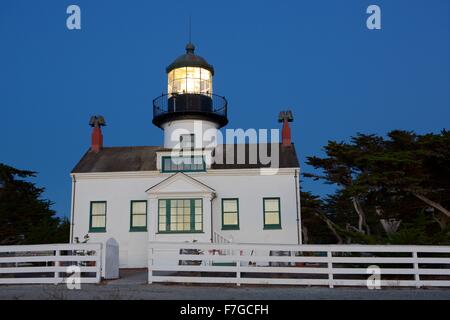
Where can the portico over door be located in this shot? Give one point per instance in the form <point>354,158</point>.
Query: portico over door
<point>180,210</point>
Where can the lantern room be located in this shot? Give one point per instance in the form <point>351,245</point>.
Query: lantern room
<point>190,74</point>
<point>190,92</point>
<point>194,80</point>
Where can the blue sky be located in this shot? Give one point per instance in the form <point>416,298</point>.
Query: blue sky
<point>314,57</point>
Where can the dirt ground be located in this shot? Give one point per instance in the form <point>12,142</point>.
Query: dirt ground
<point>133,285</point>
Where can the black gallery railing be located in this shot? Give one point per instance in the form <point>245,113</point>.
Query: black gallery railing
<point>184,103</point>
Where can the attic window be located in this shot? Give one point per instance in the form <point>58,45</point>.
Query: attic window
<point>183,164</point>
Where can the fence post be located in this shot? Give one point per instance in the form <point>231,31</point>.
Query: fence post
<point>150,265</point>
<point>238,268</point>
<point>56,265</point>
<point>99,263</point>
<point>330,269</point>
<point>416,269</point>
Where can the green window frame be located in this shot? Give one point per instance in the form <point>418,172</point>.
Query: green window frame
<point>137,215</point>
<point>195,164</point>
<point>180,215</point>
<point>270,212</point>
<point>97,218</point>
<point>227,212</point>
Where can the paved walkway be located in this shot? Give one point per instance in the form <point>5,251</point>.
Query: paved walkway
<point>132,285</point>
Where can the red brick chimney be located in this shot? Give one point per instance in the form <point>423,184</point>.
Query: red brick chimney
<point>286,134</point>
<point>97,122</point>
<point>286,117</point>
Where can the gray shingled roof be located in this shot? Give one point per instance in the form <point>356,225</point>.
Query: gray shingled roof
<point>120,159</point>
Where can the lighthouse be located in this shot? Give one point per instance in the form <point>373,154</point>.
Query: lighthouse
<point>190,111</point>
<point>179,191</point>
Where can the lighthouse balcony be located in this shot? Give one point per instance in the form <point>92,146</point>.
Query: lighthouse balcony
<point>170,107</point>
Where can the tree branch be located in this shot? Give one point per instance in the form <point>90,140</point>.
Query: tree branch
<point>331,225</point>
<point>361,215</point>
<point>442,220</point>
<point>305,234</point>
<point>431,203</point>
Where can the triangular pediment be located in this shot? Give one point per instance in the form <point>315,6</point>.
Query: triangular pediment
<point>179,183</point>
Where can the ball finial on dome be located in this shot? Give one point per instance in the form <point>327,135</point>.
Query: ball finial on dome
<point>190,48</point>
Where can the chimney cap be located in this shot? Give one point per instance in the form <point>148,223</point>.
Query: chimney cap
<point>97,121</point>
<point>285,115</point>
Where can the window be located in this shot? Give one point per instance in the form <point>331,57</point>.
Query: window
<point>187,141</point>
<point>230,214</point>
<point>272,218</point>
<point>183,164</point>
<point>138,219</point>
<point>97,220</point>
<point>180,215</point>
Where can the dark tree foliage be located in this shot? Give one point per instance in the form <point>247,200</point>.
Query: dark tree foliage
<point>25,218</point>
<point>314,223</point>
<point>393,189</point>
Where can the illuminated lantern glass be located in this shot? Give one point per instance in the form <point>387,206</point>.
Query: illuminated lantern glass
<point>191,80</point>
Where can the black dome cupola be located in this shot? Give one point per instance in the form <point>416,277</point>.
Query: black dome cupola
<point>189,59</point>
<point>189,92</point>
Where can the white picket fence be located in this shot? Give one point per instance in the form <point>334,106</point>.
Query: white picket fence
<point>326,265</point>
<point>48,263</point>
